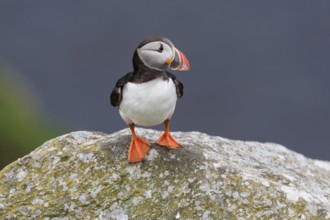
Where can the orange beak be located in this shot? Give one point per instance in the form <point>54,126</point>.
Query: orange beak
<point>179,62</point>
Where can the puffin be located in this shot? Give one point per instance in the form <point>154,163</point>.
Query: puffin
<point>147,96</point>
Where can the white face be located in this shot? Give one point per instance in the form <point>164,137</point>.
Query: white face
<point>156,55</point>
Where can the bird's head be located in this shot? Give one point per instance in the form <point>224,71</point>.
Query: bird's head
<point>159,53</point>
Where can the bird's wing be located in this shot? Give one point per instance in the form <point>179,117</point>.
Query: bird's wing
<point>178,84</point>
<point>116,93</point>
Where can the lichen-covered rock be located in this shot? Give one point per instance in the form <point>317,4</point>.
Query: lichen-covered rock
<point>85,175</point>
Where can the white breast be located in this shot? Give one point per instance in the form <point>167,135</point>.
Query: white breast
<point>149,103</point>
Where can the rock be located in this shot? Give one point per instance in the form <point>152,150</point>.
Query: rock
<point>85,175</point>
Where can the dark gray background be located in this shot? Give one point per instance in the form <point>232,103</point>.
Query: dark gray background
<point>260,69</point>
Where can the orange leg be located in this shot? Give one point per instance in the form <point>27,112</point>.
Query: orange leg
<point>138,148</point>
<point>166,138</point>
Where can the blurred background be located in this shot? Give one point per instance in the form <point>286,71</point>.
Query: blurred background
<point>260,69</point>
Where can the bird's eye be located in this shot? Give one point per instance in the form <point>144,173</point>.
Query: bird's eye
<point>161,48</point>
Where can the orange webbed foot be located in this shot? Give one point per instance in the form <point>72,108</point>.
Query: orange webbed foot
<point>138,149</point>
<point>167,140</point>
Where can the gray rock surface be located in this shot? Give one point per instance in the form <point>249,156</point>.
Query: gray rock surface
<point>85,175</point>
